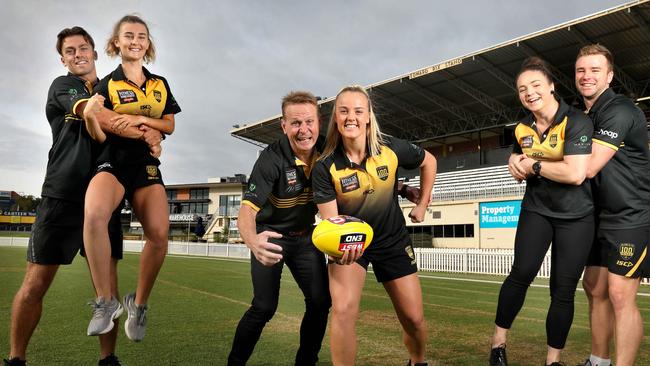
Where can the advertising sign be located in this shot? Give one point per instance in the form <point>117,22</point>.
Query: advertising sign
<point>503,214</point>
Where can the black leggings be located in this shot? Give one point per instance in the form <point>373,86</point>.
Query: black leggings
<point>572,239</point>
<point>309,270</point>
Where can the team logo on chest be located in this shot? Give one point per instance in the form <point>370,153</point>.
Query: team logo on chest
<point>382,172</point>
<point>157,95</point>
<point>552,141</point>
<point>527,142</point>
<point>349,183</point>
<point>145,110</point>
<point>127,96</point>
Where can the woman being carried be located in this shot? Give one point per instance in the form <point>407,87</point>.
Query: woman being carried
<point>126,169</point>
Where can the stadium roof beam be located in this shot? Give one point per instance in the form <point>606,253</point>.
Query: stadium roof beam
<point>393,100</point>
<point>250,141</point>
<point>443,103</point>
<point>504,78</point>
<point>567,82</point>
<point>473,92</point>
<point>626,81</point>
<point>638,18</point>
<point>410,132</point>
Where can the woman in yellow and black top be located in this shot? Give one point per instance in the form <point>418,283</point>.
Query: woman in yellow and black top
<point>126,169</point>
<point>551,153</point>
<point>357,176</point>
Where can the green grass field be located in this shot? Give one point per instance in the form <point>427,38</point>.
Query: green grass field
<point>197,303</point>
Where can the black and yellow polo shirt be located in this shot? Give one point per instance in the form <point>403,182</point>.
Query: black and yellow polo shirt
<point>569,134</point>
<point>367,191</point>
<point>279,189</point>
<point>71,155</point>
<point>154,99</point>
<point>622,188</point>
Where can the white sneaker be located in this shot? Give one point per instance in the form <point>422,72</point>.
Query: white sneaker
<point>103,315</point>
<point>135,325</point>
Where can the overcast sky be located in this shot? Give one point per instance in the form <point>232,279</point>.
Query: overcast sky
<point>230,62</point>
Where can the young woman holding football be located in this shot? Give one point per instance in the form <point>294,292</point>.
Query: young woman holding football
<point>357,176</point>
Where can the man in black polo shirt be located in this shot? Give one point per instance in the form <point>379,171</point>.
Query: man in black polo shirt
<point>619,166</point>
<point>275,221</point>
<point>57,233</point>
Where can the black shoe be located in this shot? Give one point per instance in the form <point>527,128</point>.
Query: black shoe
<point>14,362</point>
<point>586,362</point>
<point>557,363</point>
<point>498,356</point>
<point>110,360</point>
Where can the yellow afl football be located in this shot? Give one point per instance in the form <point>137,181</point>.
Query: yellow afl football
<point>340,233</point>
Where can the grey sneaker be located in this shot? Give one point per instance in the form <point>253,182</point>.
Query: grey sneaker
<point>103,315</point>
<point>135,325</point>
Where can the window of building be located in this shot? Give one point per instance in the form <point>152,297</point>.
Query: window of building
<point>453,231</point>
<point>469,231</point>
<point>459,231</point>
<point>420,236</point>
<point>448,231</point>
<point>199,193</point>
<point>229,205</point>
<point>171,194</point>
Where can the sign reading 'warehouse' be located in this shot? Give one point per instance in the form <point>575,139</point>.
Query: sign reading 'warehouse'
<point>503,214</point>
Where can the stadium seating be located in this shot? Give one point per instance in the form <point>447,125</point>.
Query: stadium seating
<point>474,184</point>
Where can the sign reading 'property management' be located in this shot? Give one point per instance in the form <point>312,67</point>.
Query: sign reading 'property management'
<point>503,214</point>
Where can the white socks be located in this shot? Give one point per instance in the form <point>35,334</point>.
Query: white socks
<point>597,361</point>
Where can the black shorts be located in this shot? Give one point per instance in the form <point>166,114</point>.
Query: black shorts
<point>57,234</point>
<point>390,263</point>
<point>132,177</point>
<point>623,252</point>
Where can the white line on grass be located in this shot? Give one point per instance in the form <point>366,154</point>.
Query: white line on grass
<point>420,275</point>
<point>497,282</point>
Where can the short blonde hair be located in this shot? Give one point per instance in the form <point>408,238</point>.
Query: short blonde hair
<point>299,97</point>
<point>597,49</point>
<point>113,51</point>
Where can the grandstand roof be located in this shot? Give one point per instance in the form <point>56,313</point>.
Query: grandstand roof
<point>442,103</point>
